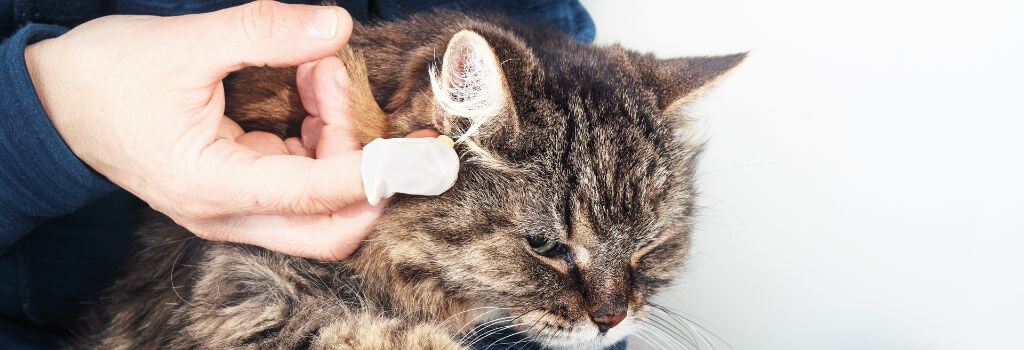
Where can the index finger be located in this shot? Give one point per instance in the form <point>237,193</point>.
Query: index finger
<point>246,182</point>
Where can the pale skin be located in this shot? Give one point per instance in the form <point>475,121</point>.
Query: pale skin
<point>140,100</point>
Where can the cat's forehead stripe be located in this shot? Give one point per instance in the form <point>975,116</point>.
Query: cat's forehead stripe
<point>572,180</point>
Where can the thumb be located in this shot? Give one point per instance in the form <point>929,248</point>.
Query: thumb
<point>263,33</point>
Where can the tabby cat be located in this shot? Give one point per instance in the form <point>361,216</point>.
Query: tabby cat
<point>574,204</point>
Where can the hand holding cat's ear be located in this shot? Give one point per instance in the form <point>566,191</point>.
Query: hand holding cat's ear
<point>140,100</point>
<point>418,164</point>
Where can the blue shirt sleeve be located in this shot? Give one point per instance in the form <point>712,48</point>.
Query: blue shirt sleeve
<point>40,177</point>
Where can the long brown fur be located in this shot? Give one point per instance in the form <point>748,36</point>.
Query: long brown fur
<point>591,157</point>
<point>267,99</point>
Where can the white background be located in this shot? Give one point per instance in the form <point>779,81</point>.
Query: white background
<point>863,182</point>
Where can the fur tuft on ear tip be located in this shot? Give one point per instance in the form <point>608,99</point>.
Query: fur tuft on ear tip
<point>470,83</point>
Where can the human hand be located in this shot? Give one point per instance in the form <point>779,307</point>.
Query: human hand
<point>140,100</point>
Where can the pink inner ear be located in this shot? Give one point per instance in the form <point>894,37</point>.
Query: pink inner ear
<point>458,74</point>
<point>471,83</point>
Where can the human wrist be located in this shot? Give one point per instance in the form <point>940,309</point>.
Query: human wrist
<point>41,174</point>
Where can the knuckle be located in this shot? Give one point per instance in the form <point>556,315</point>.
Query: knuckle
<point>252,202</point>
<point>187,205</point>
<point>258,20</point>
<point>318,201</point>
<point>192,210</point>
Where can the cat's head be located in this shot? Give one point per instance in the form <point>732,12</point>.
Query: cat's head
<point>575,197</point>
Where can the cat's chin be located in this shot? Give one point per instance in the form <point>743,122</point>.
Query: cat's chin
<point>588,338</point>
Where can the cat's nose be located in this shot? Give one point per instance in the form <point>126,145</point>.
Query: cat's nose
<point>606,319</point>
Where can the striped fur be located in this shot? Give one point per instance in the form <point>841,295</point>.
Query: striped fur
<point>591,156</point>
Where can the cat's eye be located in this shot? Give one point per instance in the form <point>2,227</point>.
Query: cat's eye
<point>542,245</point>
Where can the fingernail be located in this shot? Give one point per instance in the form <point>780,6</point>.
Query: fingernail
<point>324,24</point>
<point>447,140</point>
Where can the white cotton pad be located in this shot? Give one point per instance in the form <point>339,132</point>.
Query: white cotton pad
<point>421,166</point>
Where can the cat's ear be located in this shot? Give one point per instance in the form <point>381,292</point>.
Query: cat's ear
<point>470,88</point>
<point>678,81</point>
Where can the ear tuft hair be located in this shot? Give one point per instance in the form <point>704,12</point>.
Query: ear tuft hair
<point>470,83</point>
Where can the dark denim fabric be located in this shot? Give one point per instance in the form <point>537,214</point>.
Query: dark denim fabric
<point>65,230</point>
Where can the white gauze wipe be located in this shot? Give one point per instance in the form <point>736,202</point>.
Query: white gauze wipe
<point>420,166</point>
<point>470,85</point>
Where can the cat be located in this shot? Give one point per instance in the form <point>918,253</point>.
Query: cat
<point>574,203</point>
